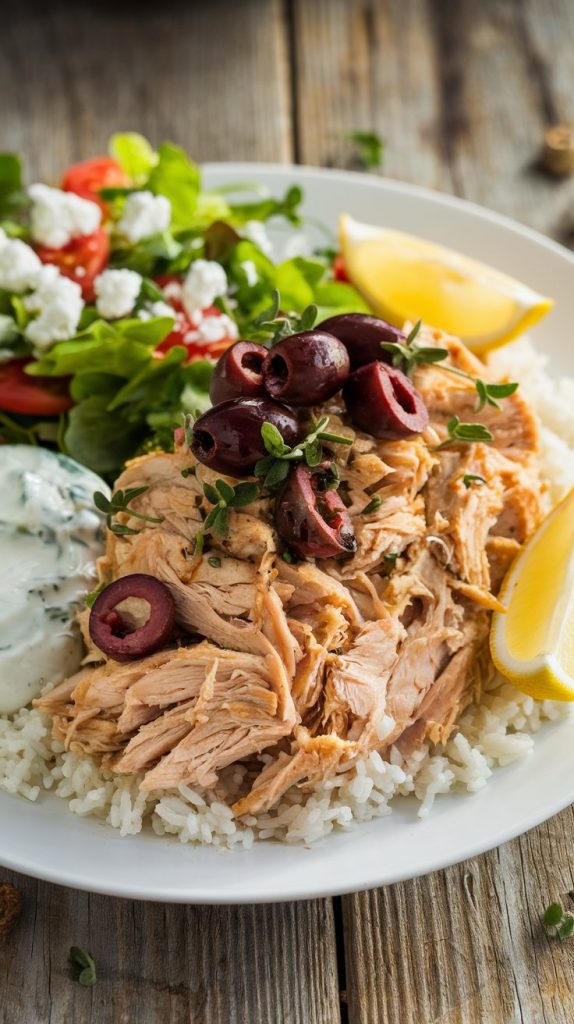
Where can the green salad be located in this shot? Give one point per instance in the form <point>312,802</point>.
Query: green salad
<point>120,289</point>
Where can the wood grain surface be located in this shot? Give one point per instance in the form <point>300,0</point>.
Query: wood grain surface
<point>461,91</point>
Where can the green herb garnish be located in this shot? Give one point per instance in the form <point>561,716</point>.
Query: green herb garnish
<point>223,497</point>
<point>199,540</point>
<point>274,327</point>
<point>84,966</point>
<point>407,356</point>
<point>91,598</point>
<point>274,467</point>
<point>558,922</point>
<point>372,505</point>
<point>465,433</point>
<point>288,557</point>
<point>119,502</point>
<point>188,471</point>
<point>214,561</point>
<point>369,147</point>
<point>472,478</point>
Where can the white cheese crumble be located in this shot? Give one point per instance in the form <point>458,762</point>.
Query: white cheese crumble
<point>117,292</point>
<point>158,308</point>
<point>59,304</point>
<point>19,265</point>
<point>205,281</point>
<point>211,329</point>
<point>57,217</point>
<point>256,232</point>
<point>144,215</point>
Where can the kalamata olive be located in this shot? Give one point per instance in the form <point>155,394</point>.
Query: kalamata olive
<point>312,521</point>
<point>115,635</point>
<point>228,438</point>
<point>238,373</point>
<point>362,335</point>
<point>306,368</point>
<point>382,401</point>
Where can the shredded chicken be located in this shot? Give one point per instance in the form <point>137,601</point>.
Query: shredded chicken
<point>295,670</point>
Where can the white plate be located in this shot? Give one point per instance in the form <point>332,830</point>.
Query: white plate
<point>45,840</point>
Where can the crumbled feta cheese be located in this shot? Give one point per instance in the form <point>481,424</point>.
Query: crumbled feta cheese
<point>19,265</point>
<point>250,272</point>
<point>256,232</point>
<point>117,292</point>
<point>205,281</point>
<point>57,217</point>
<point>8,329</point>
<point>172,290</point>
<point>144,215</point>
<point>156,309</point>
<point>212,328</point>
<point>58,303</point>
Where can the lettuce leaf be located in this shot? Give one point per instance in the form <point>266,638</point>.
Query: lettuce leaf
<point>178,178</point>
<point>134,154</point>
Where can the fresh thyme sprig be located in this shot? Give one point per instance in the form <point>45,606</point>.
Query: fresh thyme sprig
<point>558,922</point>
<point>464,433</point>
<point>407,356</point>
<point>223,497</point>
<point>84,965</point>
<point>120,502</point>
<point>275,466</point>
<point>271,327</point>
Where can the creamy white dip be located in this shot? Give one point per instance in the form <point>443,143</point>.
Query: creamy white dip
<point>50,537</point>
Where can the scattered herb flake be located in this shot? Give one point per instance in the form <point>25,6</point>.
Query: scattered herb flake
<point>91,598</point>
<point>214,561</point>
<point>472,478</point>
<point>369,147</point>
<point>188,471</point>
<point>557,921</point>
<point>84,966</point>
<point>372,505</point>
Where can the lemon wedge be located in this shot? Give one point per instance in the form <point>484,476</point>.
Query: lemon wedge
<point>407,278</point>
<point>533,643</point>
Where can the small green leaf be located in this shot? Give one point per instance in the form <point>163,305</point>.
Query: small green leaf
<point>325,435</point>
<point>308,318</point>
<point>214,561</point>
<point>273,440</point>
<point>226,491</point>
<point>369,147</point>
<point>472,478</point>
<point>245,494</point>
<point>134,153</point>
<point>391,557</point>
<point>566,928</point>
<point>211,517</point>
<point>84,965</point>
<point>91,598</point>
<point>372,505</point>
<point>188,471</point>
<point>413,332</point>
<point>211,494</point>
<point>277,474</point>
<point>288,557</point>
<point>313,453</point>
<point>553,915</point>
<point>221,522</point>
<point>102,502</point>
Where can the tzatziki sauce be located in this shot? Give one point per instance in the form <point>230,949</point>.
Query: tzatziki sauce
<point>50,537</point>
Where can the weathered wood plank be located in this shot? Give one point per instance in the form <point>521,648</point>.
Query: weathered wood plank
<point>460,92</point>
<point>466,945</point>
<point>206,965</point>
<point>213,77</point>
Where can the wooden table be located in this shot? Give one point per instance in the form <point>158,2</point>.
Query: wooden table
<point>461,91</point>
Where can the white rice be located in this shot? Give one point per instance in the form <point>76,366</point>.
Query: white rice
<point>496,732</point>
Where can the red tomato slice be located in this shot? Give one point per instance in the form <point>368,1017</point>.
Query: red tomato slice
<point>81,260</point>
<point>32,396</point>
<point>339,269</point>
<point>183,326</point>
<point>87,178</point>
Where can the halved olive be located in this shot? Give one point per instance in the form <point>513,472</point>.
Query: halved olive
<point>238,373</point>
<point>113,632</point>
<point>362,335</point>
<point>306,368</point>
<point>383,402</point>
<point>311,520</point>
<point>228,438</point>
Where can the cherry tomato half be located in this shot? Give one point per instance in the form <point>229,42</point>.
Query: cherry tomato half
<point>81,260</point>
<point>86,179</point>
<point>184,326</point>
<point>339,268</point>
<point>32,396</point>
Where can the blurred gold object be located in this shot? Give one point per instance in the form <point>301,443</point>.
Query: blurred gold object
<point>558,150</point>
